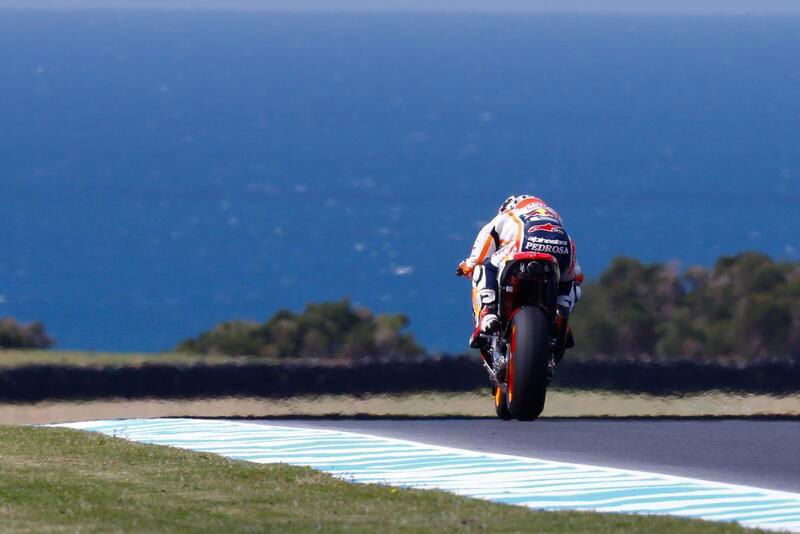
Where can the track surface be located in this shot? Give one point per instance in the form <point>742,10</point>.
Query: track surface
<point>757,453</point>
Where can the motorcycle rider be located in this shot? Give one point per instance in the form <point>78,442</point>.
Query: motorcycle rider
<point>523,223</point>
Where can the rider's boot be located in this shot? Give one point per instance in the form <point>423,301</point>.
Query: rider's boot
<point>564,341</point>
<point>569,294</point>
<point>558,354</point>
<point>570,339</point>
<point>488,323</point>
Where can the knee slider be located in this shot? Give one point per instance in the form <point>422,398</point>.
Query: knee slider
<point>487,296</point>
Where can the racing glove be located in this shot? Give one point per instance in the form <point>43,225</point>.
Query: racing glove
<point>463,269</point>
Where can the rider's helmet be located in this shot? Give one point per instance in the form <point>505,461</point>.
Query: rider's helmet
<point>516,201</point>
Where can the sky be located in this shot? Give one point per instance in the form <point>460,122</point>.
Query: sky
<point>694,7</point>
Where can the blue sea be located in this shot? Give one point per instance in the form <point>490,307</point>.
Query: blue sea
<point>162,171</point>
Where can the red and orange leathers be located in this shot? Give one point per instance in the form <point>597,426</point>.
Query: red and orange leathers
<point>505,235</point>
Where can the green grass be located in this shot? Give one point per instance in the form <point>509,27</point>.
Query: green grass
<point>18,358</point>
<point>68,481</point>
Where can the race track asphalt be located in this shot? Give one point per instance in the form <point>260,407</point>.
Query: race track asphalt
<point>753,452</point>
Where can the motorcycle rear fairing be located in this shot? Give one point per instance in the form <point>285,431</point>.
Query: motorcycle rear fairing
<point>527,306</point>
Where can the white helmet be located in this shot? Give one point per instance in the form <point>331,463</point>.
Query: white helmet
<point>513,201</point>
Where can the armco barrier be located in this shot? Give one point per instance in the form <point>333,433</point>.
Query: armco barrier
<point>51,382</point>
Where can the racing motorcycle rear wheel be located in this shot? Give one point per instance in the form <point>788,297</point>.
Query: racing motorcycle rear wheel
<point>529,356</point>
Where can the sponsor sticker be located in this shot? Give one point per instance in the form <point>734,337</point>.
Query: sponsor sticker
<point>537,239</point>
<point>549,249</point>
<point>546,228</point>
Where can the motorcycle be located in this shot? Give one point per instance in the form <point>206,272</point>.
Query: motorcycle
<point>521,356</point>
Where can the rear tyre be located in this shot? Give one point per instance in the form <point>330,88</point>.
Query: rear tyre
<point>529,350</point>
<point>501,404</point>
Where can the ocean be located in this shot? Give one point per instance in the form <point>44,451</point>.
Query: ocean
<point>163,171</point>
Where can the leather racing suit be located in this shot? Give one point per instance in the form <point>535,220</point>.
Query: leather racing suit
<point>531,226</point>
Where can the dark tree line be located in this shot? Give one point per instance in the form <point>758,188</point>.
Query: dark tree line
<point>14,335</point>
<point>325,330</point>
<point>746,306</point>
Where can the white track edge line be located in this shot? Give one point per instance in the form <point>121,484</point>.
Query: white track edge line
<point>770,492</point>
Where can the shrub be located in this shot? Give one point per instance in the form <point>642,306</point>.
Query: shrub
<point>14,335</point>
<point>232,337</point>
<point>746,306</point>
<point>323,330</point>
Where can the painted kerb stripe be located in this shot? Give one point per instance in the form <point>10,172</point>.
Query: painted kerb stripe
<point>540,484</point>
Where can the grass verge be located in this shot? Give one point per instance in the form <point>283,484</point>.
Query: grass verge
<point>60,480</point>
<point>19,358</point>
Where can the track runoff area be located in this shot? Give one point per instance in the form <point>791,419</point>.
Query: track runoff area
<point>532,482</point>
